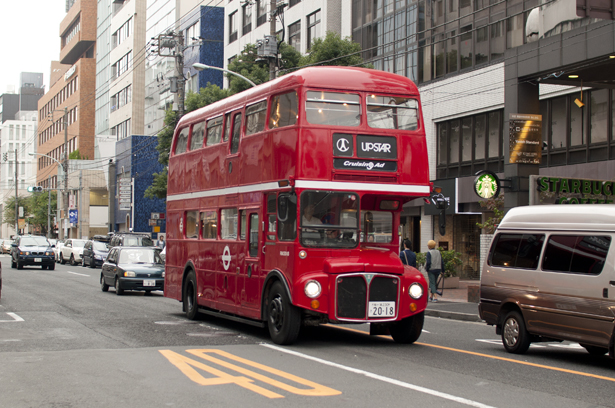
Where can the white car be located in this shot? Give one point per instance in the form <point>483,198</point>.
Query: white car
<point>72,250</point>
<point>57,249</point>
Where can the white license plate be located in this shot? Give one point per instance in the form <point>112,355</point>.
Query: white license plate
<point>381,309</point>
<point>149,282</point>
<point>38,259</point>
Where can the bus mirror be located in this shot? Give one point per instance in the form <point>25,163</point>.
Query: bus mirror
<point>286,206</point>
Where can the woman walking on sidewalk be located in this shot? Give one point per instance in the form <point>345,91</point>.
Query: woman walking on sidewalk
<point>434,265</point>
<point>407,256</point>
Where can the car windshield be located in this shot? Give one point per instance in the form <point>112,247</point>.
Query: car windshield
<point>34,241</point>
<point>100,246</point>
<point>138,241</point>
<point>78,243</point>
<point>139,256</point>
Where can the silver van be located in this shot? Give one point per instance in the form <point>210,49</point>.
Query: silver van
<point>550,276</point>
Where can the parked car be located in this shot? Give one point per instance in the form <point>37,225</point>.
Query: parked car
<point>94,253</point>
<point>131,239</point>
<point>71,251</point>
<point>58,248</point>
<point>6,246</point>
<point>133,268</point>
<point>32,250</point>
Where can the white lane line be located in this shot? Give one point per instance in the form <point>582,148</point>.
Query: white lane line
<point>14,316</point>
<point>80,274</point>
<point>382,378</point>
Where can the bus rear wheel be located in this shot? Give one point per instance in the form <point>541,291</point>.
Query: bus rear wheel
<point>191,306</point>
<point>283,319</point>
<point>408,330</point>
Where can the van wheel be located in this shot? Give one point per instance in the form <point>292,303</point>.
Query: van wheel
<point>514,336</point>
<point>191,306</point>
<point>283,319</point>
<point>594,350</point>
<point>408,330</point>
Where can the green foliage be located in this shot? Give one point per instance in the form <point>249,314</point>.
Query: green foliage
<point>342,51</point>
<point>38,204</point>
<point>452,260</point>
<point>494,205</point>
<point>76,155</point>
<point>9,209</point>
<point>208,95</point>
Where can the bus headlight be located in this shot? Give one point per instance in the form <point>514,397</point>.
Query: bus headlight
<point>415,291</point>
<point>312,289</point>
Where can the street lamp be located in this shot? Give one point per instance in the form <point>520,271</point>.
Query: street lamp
<point>200,67</point>
<point>65,191</point>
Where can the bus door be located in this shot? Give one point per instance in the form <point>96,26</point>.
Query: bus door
<point>250,275</point>
<point>233,130</point>
<point>230,257</point>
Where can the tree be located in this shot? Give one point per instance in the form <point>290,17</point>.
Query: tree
<point>333,50</point>
<point>76,155</point>
<point>9,209</point>
<point>494,205</point>
<point>38,207</point>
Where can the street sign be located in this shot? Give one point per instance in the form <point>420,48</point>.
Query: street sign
<point>125,182</point>
<point>125,188</point>
<point>124,194</point>
<point>125,207</point>
<point>124,200</point>
<point>73,216</point>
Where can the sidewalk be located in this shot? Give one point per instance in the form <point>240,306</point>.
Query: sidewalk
<point>453,304</point>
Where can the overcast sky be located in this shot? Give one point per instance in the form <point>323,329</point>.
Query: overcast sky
<point>30,38</point>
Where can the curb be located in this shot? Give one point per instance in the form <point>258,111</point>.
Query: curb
<point>467,317</point>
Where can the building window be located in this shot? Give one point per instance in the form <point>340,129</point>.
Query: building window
<point>246,19</point>
<point>294,35</point>
<point>122,33</point>
<point>313,28</point>
<point>232,27</point>
<point>193,33</point>
<point>261,12</point>
<point>293,3</point>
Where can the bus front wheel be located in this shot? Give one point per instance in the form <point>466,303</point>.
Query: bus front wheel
<point>190,304</point>
<point>283,319</point>
<point>408,330</point>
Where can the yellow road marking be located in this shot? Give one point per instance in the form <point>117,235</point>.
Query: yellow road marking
<point>185,364</point>
<point>510,360</point>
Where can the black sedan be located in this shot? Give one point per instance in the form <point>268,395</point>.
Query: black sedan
<point>32,250</point>
<point>133,268</point>
<point>94,253</point>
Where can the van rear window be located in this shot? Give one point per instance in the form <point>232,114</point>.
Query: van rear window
<point>516,250</point>
<point>576,253</point>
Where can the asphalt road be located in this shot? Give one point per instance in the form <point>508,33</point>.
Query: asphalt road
<point>65,343</point>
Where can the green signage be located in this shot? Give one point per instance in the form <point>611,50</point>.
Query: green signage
<point>565,188</point>
<point>487,185</point>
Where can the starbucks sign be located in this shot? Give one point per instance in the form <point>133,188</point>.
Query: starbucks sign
<point>487,185</point>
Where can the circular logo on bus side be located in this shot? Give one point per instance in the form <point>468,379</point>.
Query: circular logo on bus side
<point>226,258</point>
<point>487,185</point>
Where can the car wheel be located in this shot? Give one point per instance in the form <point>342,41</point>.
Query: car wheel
<point>408,330</point>
<point>515,337</point>
<point>92,264</point>
<point>72,260</point>
<point>51,267</point>
<point>190,304</point>
<point>83,262</point>
<point>283,319</point>
<point>595,350</point>
<point>118,290</point>
<point>19,265</point>
<point>103,285</point>
<point>13,264</point>
<point>62,260</point>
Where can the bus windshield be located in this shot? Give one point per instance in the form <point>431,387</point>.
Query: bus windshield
<point>329,219</point>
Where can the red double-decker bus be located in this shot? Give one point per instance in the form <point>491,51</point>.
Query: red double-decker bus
<point>284,204</point>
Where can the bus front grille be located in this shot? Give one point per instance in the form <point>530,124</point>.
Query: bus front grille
<point>355,291</point>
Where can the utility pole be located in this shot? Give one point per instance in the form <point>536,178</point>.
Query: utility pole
<point>172,45</point>
<point>272,20</point>
<point>64,219</point>
<point>49,207</point>
<point>79,214</point>
<point>16,196</point>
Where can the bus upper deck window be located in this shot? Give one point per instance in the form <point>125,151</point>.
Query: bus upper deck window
<point>227,127</point>
<point>255,117</point>
<point>198,134</point>
<point>182,141</point>
<point>283,110</point>
<point>333,108</point>
<point>214,131</point>
<point>236,133</point>
<point>389,112</point>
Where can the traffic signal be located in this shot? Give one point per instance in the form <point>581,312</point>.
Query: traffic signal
<point>35,189</point>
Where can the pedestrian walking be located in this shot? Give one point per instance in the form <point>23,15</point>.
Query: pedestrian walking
<point>160,242</point>
<point>434,265</point>
<point>407,256</point>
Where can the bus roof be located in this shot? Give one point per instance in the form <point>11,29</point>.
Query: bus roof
<point>328,77</point>
<point>573,217</point>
